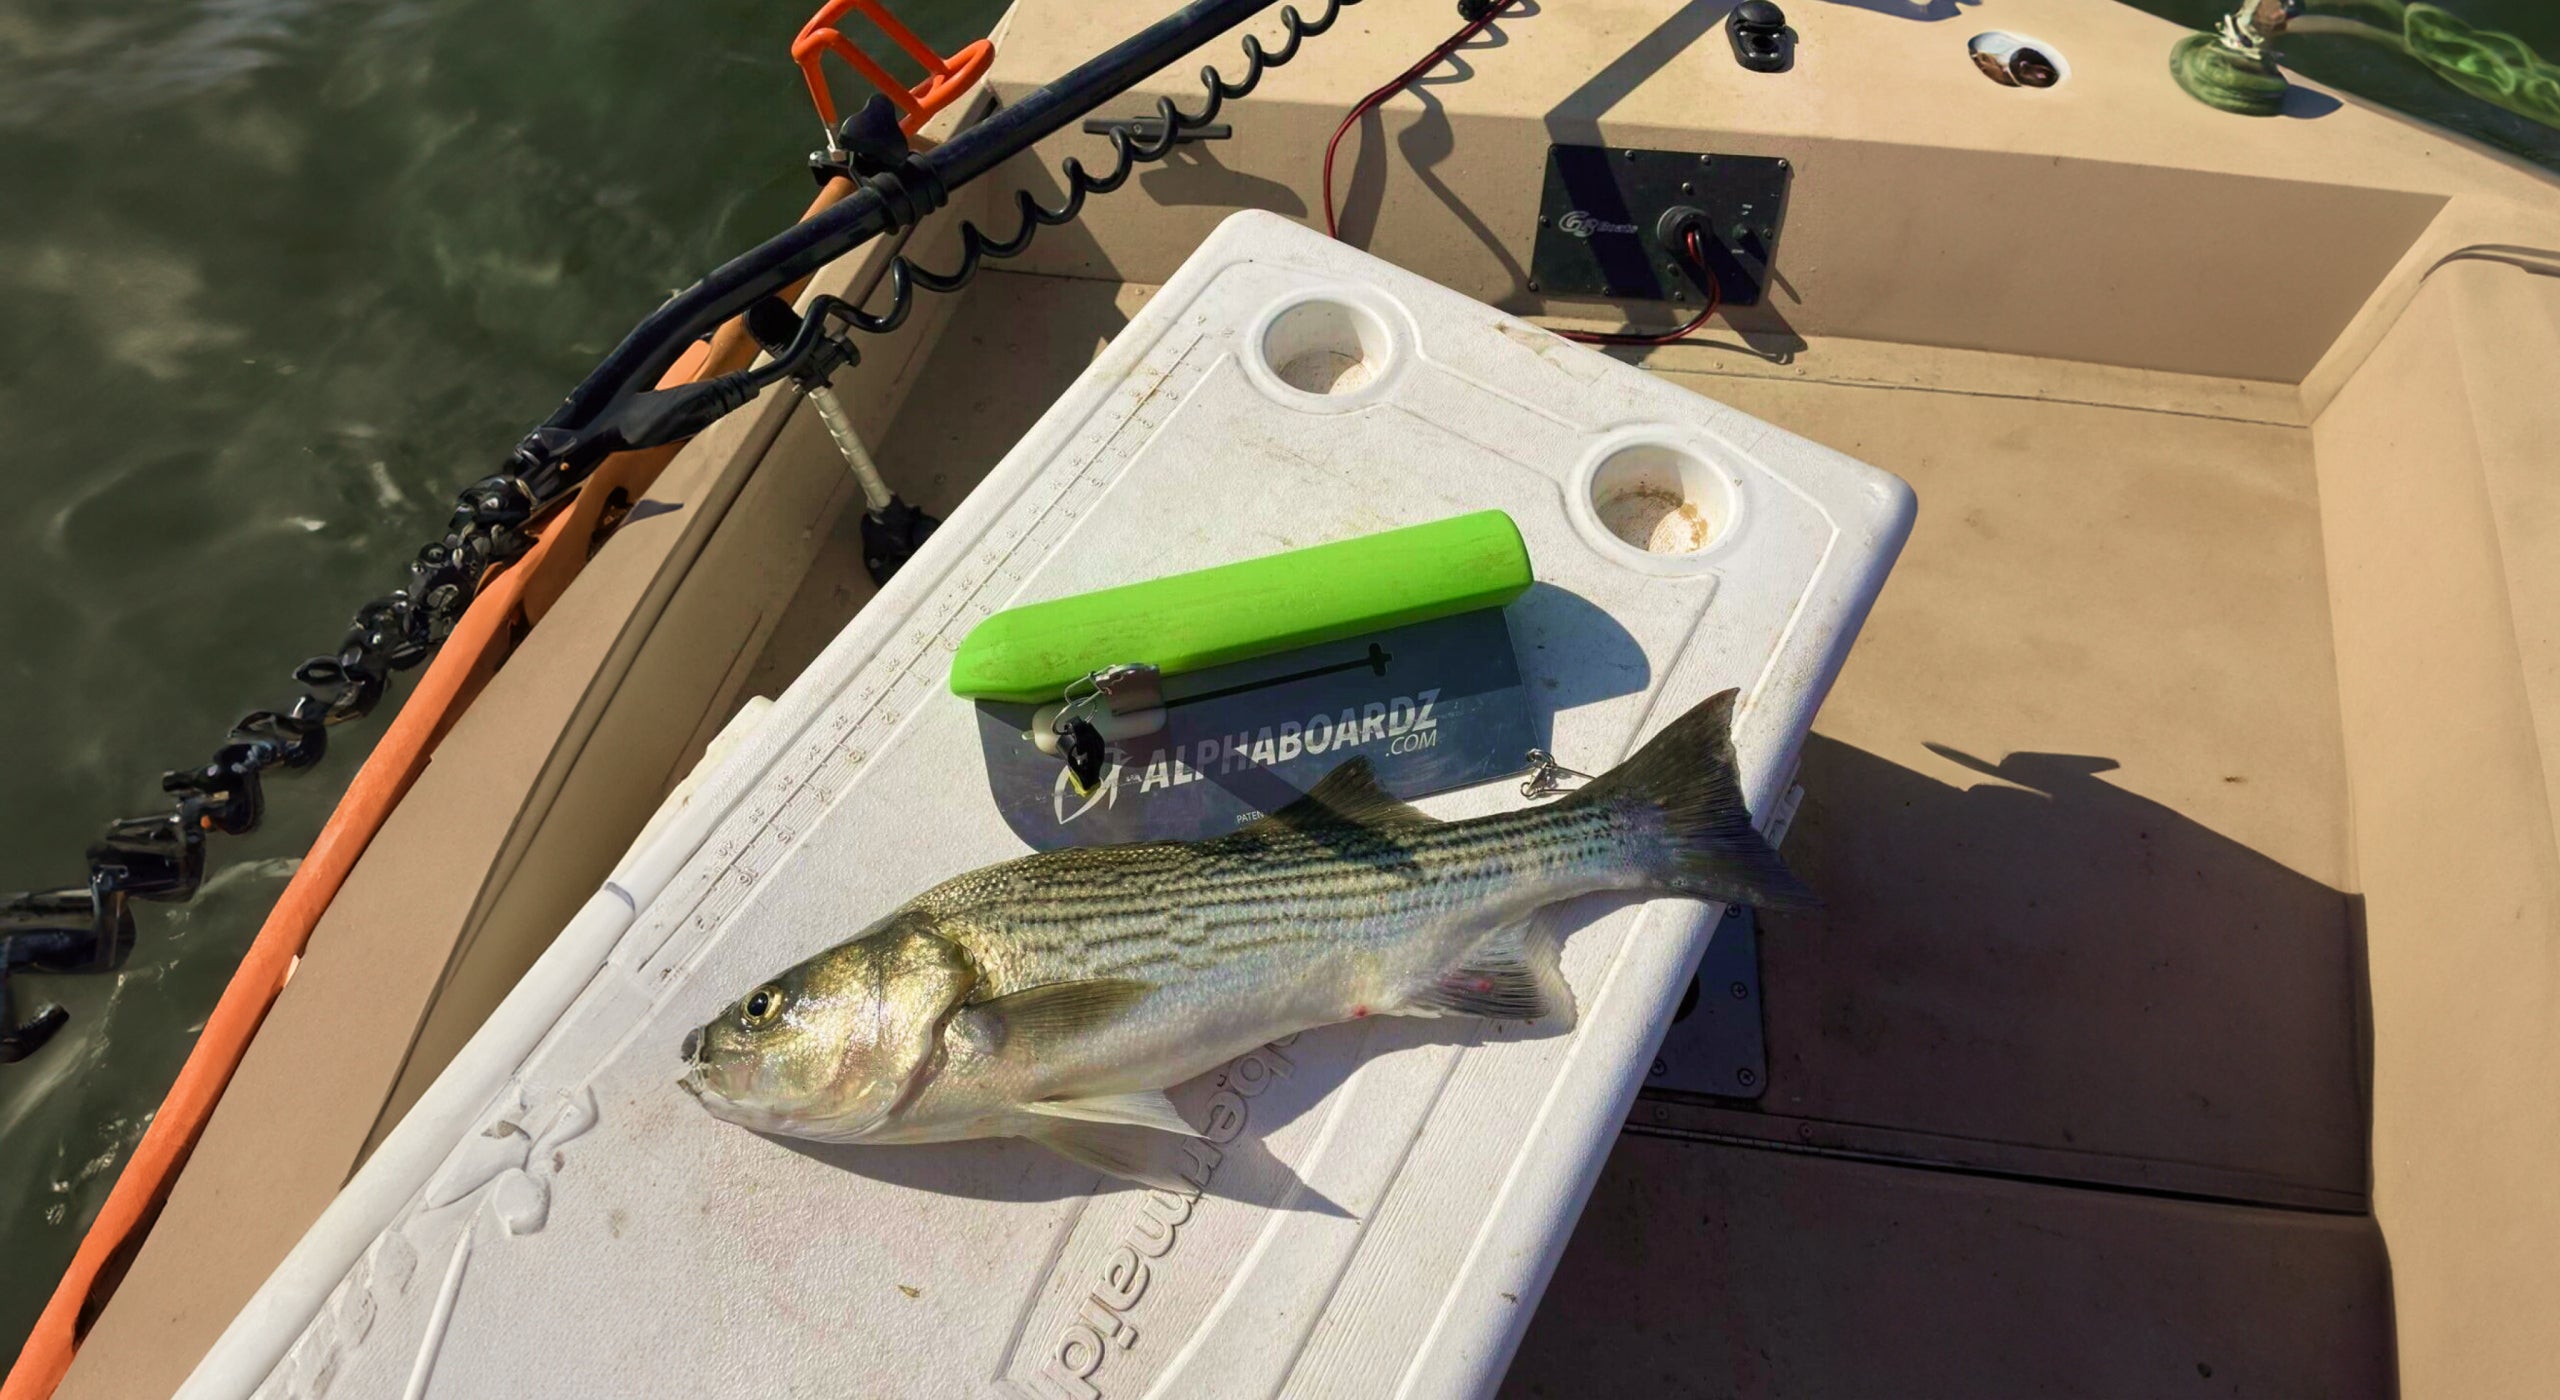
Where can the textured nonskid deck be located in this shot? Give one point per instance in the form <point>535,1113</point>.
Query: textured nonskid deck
<point>2065,1089</point>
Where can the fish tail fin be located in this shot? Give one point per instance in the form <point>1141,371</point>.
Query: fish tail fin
<point>1694,835</point>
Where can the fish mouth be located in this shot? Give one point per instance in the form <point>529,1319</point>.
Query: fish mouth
<point>694,1069</point>
<point>704,1087</point>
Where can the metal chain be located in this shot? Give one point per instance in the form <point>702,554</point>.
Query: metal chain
<point>161,855</point>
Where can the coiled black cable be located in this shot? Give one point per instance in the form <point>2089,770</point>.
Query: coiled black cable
<point>1127,154</point>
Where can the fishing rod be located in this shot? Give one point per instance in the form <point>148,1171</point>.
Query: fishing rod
<point>619,407</point>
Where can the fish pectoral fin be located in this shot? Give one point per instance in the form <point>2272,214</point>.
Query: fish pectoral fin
<point>1513,975</point>
<point>1146,1108</point>
<point>1062,1009</point>
<point>1347,796</point>
<point>1142,1155</point>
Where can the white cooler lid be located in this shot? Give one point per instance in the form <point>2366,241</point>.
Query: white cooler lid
<point>1388,1197</point>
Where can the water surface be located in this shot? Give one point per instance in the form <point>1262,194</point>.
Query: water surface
<point>277,278</point>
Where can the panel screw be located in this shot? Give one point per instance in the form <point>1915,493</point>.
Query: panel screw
<point>1679,295</point>
<point>1659,1068</point>
<point>1710,160</point>
<point>1766,234</point>
<point>1688,188</point>
<point>1631,155</point>
<point>1533,284</point>
<point>1741,991</point>
<point>1782,165</point>
<point>1745,1078</point>
<point>1805,1131</point>
<point>1542,221</point>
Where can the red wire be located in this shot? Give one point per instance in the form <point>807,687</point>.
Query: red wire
<point>1706,279</point>
<point>1403,80</point>
<point>1688,233</point>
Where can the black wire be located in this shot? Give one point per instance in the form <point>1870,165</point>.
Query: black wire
<point>650,417</point>
<point>1127,153</point>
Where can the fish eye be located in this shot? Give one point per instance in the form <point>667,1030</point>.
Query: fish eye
<point>762,1005</point>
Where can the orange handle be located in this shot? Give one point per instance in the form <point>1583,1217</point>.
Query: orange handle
<point>945,78</point>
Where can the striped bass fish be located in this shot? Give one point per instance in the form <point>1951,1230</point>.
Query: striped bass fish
<point>1056,997</point>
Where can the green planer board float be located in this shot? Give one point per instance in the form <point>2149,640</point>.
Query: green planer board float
<point>1255,607</point>
<point>1177,706</point>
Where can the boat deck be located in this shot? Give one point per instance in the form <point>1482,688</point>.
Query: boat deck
<point>2065,1087</point>
<point>2066,1073</point>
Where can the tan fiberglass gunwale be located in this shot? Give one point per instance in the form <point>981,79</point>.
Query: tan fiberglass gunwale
<point>2182,1010</point>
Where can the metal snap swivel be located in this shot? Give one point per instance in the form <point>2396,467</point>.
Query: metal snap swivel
<point>1546,776</point>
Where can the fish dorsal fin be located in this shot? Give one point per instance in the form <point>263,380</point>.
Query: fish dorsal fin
<point>1063,1009</point>
<point>1348,796</point>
